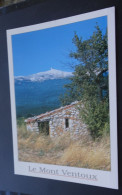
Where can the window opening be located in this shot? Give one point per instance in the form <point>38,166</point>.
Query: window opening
<point>66,122</point>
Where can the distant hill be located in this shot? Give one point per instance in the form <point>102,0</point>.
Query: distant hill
<point>33,98</point>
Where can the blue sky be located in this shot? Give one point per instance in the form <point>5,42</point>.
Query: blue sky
<point>42,50</point>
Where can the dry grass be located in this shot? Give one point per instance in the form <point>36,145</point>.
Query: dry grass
<point>83,152</point>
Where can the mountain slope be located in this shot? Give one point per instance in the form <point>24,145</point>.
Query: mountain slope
<point>47,75</point>
<point>34,98</point>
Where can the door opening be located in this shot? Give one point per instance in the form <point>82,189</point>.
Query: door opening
<point>44,127</point>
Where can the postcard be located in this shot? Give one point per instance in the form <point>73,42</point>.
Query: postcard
<point>63,99</point>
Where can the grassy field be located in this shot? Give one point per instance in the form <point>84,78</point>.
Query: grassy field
<point>83,152</point>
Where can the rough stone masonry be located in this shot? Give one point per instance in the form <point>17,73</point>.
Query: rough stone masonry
<point>60,120</point>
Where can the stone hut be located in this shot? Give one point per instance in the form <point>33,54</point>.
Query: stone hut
<point>58,121</point>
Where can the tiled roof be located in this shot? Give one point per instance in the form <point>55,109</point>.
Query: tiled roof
<point>47,114</point>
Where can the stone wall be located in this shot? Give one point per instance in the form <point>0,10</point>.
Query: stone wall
<point>58,123</point>
<point>61,120</point>
<point>32,126</point>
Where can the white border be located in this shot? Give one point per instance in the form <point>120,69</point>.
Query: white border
<point>107,179</point>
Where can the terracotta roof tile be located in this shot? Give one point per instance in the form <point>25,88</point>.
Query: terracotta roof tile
<point>41,116</point>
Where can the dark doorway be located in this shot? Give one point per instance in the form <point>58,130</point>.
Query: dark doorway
<point>44,127</point>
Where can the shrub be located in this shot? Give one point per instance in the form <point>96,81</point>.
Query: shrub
<point>95,114</point>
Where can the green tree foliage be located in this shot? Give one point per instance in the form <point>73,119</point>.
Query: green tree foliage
<point>90,81</point>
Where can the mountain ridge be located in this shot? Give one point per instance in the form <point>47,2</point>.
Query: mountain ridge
<point>46,75</point>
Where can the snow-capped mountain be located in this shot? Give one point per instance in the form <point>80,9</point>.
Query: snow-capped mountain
<point>47,75</point>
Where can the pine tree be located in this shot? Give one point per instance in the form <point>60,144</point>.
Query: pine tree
<point>90,81</point>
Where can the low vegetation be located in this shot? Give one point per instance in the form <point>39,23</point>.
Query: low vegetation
<point>82,152</point>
